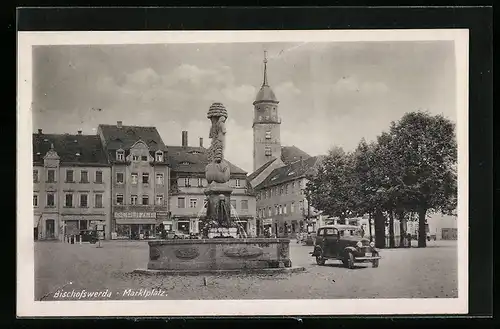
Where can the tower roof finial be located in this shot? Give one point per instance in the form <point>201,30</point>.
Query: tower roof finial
<point>264,83</point>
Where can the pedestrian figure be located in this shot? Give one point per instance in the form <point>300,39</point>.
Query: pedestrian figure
<point>409,240</point>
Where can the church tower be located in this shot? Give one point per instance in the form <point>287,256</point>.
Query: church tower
<point>266,124</point>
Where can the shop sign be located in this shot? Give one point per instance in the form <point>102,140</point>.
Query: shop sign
<point>135,214</point>
<point>267,221</point>
<point>162,214</point>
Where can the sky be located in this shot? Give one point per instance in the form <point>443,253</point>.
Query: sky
<point>330,93</point>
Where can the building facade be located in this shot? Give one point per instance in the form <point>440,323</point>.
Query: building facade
<point>71,185</point>
<point>140,179</point>
<point>188,182</point>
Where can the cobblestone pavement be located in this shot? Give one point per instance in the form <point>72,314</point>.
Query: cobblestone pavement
<point>403,273</point>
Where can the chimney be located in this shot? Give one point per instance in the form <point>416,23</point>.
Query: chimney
<point>39,131</point>
<point>79,132</point>
<point>201,141</point>
<point>184,138</point>
<point>119,124</point>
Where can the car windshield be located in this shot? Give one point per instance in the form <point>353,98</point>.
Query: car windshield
<point>352,232</point>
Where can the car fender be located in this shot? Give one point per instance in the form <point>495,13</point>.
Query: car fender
<point>349,249</point>
<point>317,251</point>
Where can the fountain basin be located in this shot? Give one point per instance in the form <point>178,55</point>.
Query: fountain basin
<point>215,255</point>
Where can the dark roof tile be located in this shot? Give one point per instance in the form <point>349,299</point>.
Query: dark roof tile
<point>292,153</point>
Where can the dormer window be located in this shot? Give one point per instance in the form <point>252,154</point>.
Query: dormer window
<point>185,163</point>
<point>144,158</point>
<point>159,156</point>
<point>268,135</point>
<point>195,152</point>
<point>120,155</point>
<point>135,158</point>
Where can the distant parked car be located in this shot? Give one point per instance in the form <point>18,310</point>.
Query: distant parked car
<point>89,236</point>
<point>345,243</point>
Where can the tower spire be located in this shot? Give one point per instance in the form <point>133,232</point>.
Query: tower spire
<point>264,83</point>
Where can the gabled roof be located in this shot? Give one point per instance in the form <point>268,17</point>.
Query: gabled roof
<point>191,159</point>
<point>292,153</point>
<point>289,172</point>
<point>257,172</point>
<point>125,137</point>
<point>72,149</point>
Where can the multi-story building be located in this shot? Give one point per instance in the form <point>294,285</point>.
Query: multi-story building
<point>71,185</point>
<point>188,182</point>
<point>140,179</point>
<point>279,176</point>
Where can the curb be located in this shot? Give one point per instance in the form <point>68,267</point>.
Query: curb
<point>242,271</point>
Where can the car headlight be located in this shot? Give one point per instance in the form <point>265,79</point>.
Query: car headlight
<point>359,244</point>
<point>372,244</point>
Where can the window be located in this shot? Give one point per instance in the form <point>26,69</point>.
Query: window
<point>119,199</point>
<point>268,151</point>
<point>300,205</point>
<point>135,158</point>
<point>286,189</point>
<point>192,203</point>
<point>159,179</point>
<point>98,177</point>
<point>330,231</point>
<point>119,178</point>
<point>98,201</point>
<point>133,178</point>
<point>159,200</point>
<point>35,176</point>
<point>268,135</point>
<point>69,176</point>
<point>281,190</point>
<point>200,182</point>
<point>51,200</point>
<point>144,158</point>
<point>233,204</point>
<point>181,203</point>
<point>84,176</point>
<point>159,156</point>
<point>244,204</point>
<point>35,200</point>
<point>120,155</point>
<point>68,201</point>
<point>284,209</point>
<point>269,212</point>
<point>83,201</point>
<point>237,183</point>
<point>280,210</point>
<point>145,200</point>
<point>293,185</point>
<point>292,207</point>
<point>133,200</point>
<point>186,182</point>
<point>51,176</point>
<point>145,178</point>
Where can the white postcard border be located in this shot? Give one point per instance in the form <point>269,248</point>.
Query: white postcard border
<point>27,306</point>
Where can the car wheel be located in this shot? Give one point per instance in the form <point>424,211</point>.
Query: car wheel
<point>320,260</point>
<point>349,260</point>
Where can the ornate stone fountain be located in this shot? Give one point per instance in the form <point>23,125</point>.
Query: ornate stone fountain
<point>222,253</point>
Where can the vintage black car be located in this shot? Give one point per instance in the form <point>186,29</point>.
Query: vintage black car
<point>345,243</point>
<point>89,236</point>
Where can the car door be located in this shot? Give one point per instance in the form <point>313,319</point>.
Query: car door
<point>330,242</point>
<point>320,241</point>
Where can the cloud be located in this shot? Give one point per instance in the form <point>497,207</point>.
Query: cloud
<point>352,84</point>
<point>286,90</point>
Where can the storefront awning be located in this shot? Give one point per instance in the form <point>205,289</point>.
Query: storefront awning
<point>128,221</point>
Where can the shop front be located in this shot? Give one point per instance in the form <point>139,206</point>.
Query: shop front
<point>135,225</point>
<point>74,224</point>
<point>267,227</point>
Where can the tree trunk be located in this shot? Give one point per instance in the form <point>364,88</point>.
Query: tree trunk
<point>422,235</point>
<point>392,243</point>
<point>402,233</point>
<point>370,226</point>
<point>379,229</point>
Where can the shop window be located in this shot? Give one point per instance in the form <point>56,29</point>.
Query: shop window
<point>84,176</point>
<point>83,201</point>
<point>119,178</point>
<point>181,202</point>
<point>69,176</point>
<point>145,200</point>
<point>68,201</point>
<point>145,178</point>
<point>98,177</point>
<point>98,201</point>
<point>119,199</point>
<point>134,178</point>
<point>133,200</point>
<point>35,176</point>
